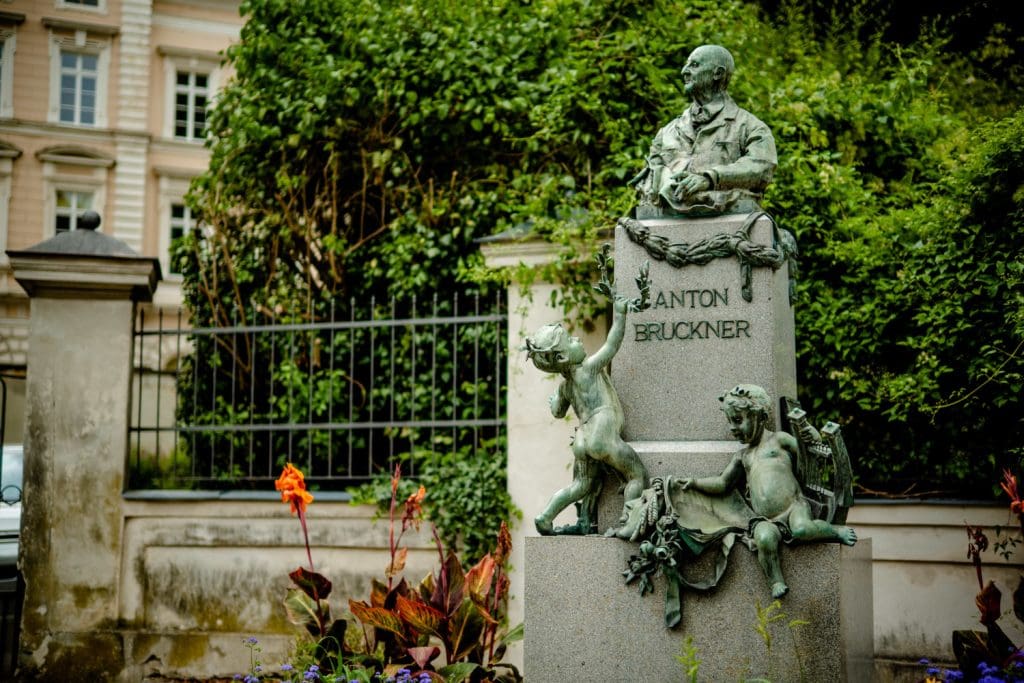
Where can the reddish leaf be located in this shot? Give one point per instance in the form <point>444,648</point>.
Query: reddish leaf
<point>504,548</point>
<point>988,602</point>
<point>421,616</point>
<point>451,586</point>
<point>316,586</point>
<point>423,655</point>
<point>378,593</point>
<point>478,580</point>
<point>378,617</point>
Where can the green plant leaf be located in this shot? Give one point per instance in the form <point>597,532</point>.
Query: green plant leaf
<point>301,610</point>
<point>459,672</point>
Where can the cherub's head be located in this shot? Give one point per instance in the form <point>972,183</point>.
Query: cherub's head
<point>748,409</point>
<point>553,349</point>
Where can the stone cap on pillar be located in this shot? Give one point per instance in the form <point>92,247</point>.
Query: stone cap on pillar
<point>85,264</point>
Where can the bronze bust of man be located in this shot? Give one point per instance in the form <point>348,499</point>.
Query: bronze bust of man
<point>715,158</point>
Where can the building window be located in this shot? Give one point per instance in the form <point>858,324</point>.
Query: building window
<point>191,79</point>
<point>79,71</point>
<point>69,208</point>
<point>79,82</point>
<point>6,72</point>
<point>181,224</point>
<point>191,96</point>
<point>87,5</point>
<point>74,181</point>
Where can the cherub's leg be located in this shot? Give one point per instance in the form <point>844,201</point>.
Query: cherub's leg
<point>585,479</point>
<point>562,499</point>
<point>628,463</point>
<point>806,528</point>
<point>767,537</point>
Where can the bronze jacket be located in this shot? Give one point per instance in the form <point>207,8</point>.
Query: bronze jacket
<point>735,150</point>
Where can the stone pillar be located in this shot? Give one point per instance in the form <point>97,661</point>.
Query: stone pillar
<point>539,455</point>
<point>83,287</point>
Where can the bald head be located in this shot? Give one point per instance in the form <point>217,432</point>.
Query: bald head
<point>708,70</point>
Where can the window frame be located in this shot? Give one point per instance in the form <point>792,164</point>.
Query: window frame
<point>173,186</point>
<point>72,171</point>
<point>80,43</point>
<point>99,8</point>
<point>189,61</point>
<point>8,47</point>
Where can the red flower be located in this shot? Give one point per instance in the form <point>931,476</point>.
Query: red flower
<point>292,486</point>
<point>1009,485</point>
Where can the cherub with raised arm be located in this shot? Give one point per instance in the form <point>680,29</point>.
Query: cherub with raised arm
<point>586,387</point>
<point>775,496</point>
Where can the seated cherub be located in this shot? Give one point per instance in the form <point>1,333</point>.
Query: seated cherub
<point>587,388</point>
<point>775,495</point>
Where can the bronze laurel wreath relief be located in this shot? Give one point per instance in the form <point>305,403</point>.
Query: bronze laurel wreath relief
<point>738,244</point>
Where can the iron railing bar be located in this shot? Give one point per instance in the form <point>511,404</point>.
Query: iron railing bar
<point>391,392</point>
<point>373,356</point>
<point>476,372</point>
<point>351,377</point>
<point>413,382</point>
<point>159,381</point>
<point>330,400</point>
<point>342,325</point>
<point>252,394</point>
<point>330,426</point>
<point>291,403</point>
<point>177,374</point>
<point>234,376</point>
<point>138,435</point>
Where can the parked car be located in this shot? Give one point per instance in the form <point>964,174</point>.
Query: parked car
<point>10,507</point>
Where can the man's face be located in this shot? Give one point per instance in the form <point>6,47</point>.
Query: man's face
<point>699,74</point>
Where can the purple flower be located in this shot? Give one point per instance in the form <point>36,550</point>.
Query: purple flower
<point>251,640</point>
<point>287,667</point>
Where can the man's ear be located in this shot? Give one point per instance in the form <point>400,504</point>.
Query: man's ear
<point>719,73</point>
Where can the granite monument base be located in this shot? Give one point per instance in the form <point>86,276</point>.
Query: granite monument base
<point>583,623</point>
<point>700,337</point>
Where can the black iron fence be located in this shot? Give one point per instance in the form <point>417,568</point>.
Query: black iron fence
<point>343,395</point>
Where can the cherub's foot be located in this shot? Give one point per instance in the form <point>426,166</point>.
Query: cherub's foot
<point>544,527</point>
<point>779,589</point>
<point>846,535</point>
<point>577,529</point>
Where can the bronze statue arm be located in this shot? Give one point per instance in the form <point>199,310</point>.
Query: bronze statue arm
<point>724,482</point>
<point>559,401</point>
<point>616,334</point>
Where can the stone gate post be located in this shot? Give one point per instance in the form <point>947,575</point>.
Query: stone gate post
<point>83,287</point>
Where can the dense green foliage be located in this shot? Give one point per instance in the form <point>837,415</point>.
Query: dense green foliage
<point>363,145</point>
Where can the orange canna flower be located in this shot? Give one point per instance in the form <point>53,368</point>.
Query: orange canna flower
<point>292,485</point>
<point>1009,485</point>
<point>414,509</point>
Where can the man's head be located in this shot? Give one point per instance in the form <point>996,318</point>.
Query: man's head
<point>748,409</point>
<point>553,349</point>
<point>707,71</point>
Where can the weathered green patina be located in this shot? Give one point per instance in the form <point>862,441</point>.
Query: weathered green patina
<point>715,158</point>
<point>587,388</point>
<point>677,519</point>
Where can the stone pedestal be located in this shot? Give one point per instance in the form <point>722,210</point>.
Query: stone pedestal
<point>583,623</point>
<point>699,338</point>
